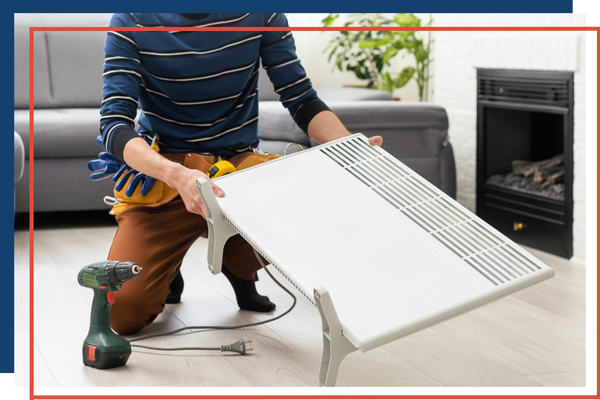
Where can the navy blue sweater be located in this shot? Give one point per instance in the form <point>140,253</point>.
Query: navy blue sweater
<point>198,90</point>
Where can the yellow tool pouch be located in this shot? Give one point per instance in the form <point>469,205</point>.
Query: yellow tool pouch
<point>161,193</point>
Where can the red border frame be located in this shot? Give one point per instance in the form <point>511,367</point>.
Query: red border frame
<point>32,396</point>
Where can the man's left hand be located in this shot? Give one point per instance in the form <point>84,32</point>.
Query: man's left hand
<point>375,140</point>
<point>325,127</point>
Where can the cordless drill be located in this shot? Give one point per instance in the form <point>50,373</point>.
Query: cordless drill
<point>102,348</point>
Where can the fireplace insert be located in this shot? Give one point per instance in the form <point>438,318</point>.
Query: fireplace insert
<point>525,156</point>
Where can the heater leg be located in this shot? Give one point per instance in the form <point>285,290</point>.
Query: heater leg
<point>218,230</point>
<point>335,345</point>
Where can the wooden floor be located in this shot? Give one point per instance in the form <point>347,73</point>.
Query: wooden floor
<point>532,338</point>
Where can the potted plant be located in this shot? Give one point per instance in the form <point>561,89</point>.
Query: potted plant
<point>368,53</point>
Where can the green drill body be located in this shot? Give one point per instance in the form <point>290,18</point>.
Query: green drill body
<point>102,348</point>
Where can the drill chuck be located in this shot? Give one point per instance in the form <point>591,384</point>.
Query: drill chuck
<point>118,272</point>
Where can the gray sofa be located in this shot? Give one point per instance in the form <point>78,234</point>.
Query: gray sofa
<point>19,161</point>
<point>68,83</point>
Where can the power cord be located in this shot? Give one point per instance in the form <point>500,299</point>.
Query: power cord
<point>237,347</point>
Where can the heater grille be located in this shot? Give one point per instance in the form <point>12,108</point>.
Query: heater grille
<point>487,253</point>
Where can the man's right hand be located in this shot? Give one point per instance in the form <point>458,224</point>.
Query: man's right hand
<point>185,184</point>
<point>140,156</point>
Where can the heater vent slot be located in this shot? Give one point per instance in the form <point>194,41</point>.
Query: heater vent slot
<point>487,253</point>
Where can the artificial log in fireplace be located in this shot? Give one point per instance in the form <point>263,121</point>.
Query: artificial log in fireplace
<point>525,156</point>
<point>543,178</point>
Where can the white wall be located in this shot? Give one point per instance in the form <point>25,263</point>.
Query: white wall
<point>310,48</point>
<point>458,54</point>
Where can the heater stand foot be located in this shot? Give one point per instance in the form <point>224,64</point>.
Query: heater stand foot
<point>335,345</point>
<point>219,231</point>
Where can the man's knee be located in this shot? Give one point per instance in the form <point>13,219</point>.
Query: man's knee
<point>130,313</point>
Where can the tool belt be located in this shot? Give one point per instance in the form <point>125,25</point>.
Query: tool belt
<point>161,193</point>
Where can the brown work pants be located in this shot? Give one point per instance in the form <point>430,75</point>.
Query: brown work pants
<point>157,239</point>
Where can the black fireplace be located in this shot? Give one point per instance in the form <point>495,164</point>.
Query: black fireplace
<point>525,156</point>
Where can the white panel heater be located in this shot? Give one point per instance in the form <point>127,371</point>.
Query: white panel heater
<point>379,250</point>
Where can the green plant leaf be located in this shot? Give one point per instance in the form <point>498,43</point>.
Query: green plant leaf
<point>408,42</point>
<point>421,54</point>
<point>369,43</point>
<point>404,20</point>
<point>404,77</point>
<point>328,20</point>
<point>390,52</point>
<point>401,42</point>
<point>358,71</point>
<point>367,53</point>
<point>386,83</point>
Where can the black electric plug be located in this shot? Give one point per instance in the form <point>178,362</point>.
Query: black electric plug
<point>237,347</point>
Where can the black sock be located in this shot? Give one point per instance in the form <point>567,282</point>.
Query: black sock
<point>176,287</point>
<point>246,295</point>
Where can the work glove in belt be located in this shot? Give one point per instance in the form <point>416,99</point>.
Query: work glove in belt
<point>107,165</point>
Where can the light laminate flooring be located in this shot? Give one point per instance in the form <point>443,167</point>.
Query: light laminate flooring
<point>533,338</point>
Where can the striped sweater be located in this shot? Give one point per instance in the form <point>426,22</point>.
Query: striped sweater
<point>198,90</point>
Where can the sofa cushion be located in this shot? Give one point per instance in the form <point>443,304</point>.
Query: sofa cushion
<point>68,65</point>
<point>62,185</point>
<point>41,71</point>
<point>76,63</point>
<point>61,133</point>
<point>331,94</point>
<point>423,126</point>
<point>275,123</point>
<point>279,147</point>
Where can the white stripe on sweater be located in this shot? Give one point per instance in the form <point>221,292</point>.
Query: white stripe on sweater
<point>224,132</point>
<point>119,97</point>
<point>182,123</point>
<point>124,37</point>
<point>117,71</point>
<point>292,84</point>
<point>297,97</point>
<point>182,53</point>
<point>202,77</point>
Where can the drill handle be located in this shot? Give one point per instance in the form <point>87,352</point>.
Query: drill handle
<point>102,348</point>
<point>101,305</point>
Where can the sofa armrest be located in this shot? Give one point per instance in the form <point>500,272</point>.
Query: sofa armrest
<point>19,157</point>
